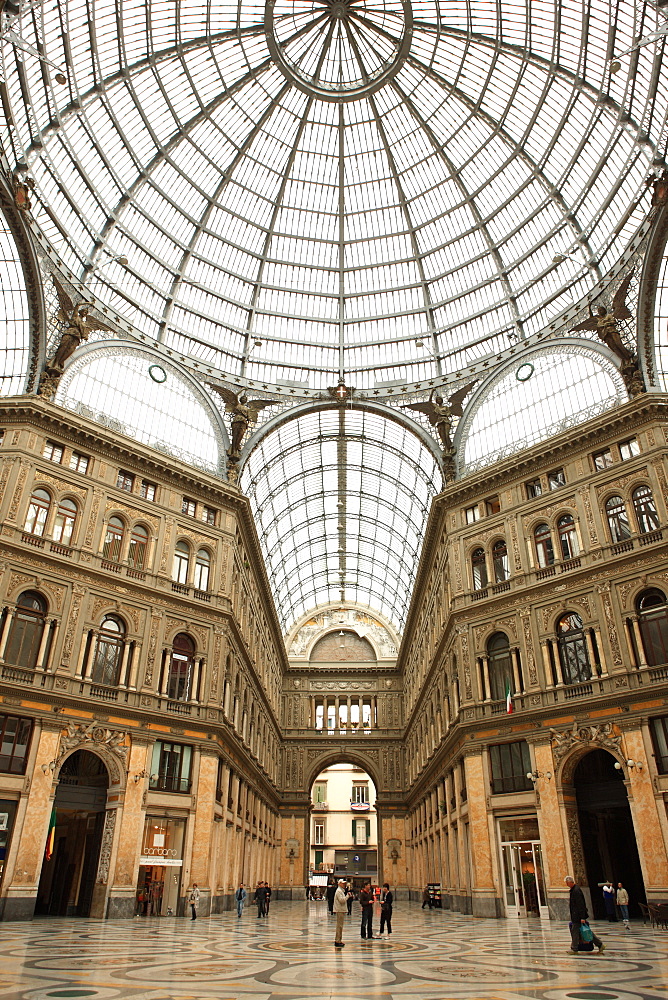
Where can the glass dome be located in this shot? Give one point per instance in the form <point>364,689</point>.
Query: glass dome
<point>320,189</point>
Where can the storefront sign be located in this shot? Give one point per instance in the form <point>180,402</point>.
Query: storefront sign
<point>159,860</point>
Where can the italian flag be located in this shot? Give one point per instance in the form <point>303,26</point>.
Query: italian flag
<point>509,698</point>
<point>51,836</point>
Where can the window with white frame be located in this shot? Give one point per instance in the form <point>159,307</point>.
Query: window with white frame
<point>319,832</point>
<point>360,794</point>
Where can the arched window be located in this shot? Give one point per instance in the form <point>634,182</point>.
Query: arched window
<point>543,543</point>
<point>568,537</point>
<point>500,666</point>
<point>573,654</point>
<point>38,511</point>
<point>109,652</point>
<point>202,569</point>
<point>181,563</point>
<point>500,560</point>
<point>63,526</point>
<point>113,540</point>
<point>179,681</point>
<point>26,630</point>
<point>479,569</point>
<point>138,547</point>
<point>653,621</point>
<point>618,519</point>
<point>645,508</point>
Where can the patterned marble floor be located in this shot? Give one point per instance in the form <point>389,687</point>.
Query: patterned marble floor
<point>432,955</point>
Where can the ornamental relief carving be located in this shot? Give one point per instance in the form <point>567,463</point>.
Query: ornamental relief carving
<point>6,468</point>
<point>604,735</point>
<point>179,625</point>
<point>132,514</point>
<point>586,503</point>
<point>111,745</point>
<point>92,520</point>
<point>515,546</point>
<point>16,499</point>
<point>545,513</point>
<point>105,847</point>
<point>618,485</point>
<point>575,843</point>
<point>60,486</point>
<point>73,622</point>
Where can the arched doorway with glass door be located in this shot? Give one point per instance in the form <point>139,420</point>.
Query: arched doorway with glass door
<point>607,833</point>
<point>67,880</point>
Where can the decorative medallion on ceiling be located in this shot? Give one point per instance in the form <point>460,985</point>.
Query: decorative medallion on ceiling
<point>339,50</point>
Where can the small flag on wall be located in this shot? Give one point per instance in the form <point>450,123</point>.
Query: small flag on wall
<point>509,698</point>
<point>51,836</point>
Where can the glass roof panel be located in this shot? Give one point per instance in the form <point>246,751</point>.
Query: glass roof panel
<point>465,146</point>
<point>341,499</point>
<point>14,319</point>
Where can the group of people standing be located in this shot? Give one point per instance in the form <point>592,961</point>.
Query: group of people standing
<point>342,903</point>
<point>261,898</point>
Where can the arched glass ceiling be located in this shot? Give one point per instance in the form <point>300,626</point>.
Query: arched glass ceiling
<point>536,398</point>
<point>341,499</point>
<point>466,145</point>
<point>126,390</point>
<point>14,322</point>
<point>661,325</point>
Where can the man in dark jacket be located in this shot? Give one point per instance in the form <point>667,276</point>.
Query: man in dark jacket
<point>330,894</point>
<point>366,902</point>
<point>579,914</point>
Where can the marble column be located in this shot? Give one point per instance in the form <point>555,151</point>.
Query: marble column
<point>483,891</point>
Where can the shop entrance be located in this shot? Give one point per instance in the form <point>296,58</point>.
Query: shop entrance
<point>606,826</point>
<point>67,880</point>
<point>522,864</point>
<point>160,867</point>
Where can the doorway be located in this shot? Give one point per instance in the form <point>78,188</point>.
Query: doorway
<point>522,866</point>
<point>67,879</point>
<point>606,827</point>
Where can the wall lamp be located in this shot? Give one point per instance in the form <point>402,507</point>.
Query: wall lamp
<point>535,775</point>
<point>630,763</point>
<point>51,766</point>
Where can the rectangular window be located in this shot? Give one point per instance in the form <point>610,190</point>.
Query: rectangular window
<point>15,735</point>
<point>556,479</point>
<point>208,514</point>
<point>319,832</point>
<point>320,792</point>
<point>602,459</point>
<point>361,831</point>
<point>492,506</point>
<point>2,436</point>
<point>629,449</point>
<point>659,729</point>
<point>510,764</point>
<point>472,514</point>
<point>360,794</point>
<point>188,507</point>
<point>79,462</point>
<point>125,481</point>
<point>534,488</point>
<point>170,767</point>
<point>53,451</point>
<point>147,490</point>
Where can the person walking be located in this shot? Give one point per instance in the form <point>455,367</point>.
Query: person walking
<point>259,898</point>
<point>193,899</point>
<point>340,909</point>
<point>426,897</point>
<point>386,900</point>
<point>623,904</point>
<point>350,898</point>
<point>578,911</point>
<point>609,901</point>
<point>240,897</point>
<point>366,902</point>
<point>267,898</point>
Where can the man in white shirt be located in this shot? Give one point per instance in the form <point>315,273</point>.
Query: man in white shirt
<point>340,909</point>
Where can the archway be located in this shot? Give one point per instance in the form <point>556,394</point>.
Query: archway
<point>67,880</point>
<point>606,827</point>
<point>344,828</point>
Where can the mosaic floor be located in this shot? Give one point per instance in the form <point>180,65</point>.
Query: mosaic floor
<point>432,955</point>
